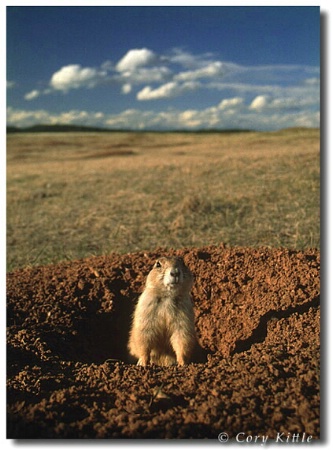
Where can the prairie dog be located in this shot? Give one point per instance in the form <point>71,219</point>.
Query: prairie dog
<point>163,323</point>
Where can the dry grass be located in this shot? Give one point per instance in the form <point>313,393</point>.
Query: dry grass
<point>76,195</point>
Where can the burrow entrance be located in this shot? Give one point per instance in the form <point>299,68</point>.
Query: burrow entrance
<point>104,337</point>
<point>82,311</point>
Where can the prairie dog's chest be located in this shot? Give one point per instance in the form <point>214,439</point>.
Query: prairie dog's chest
<point>159,306</point>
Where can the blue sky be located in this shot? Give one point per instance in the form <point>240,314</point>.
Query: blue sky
<point>164,67</point>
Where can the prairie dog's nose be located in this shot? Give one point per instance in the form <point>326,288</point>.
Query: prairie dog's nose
<point>173,276</point>
<point>174,272</point>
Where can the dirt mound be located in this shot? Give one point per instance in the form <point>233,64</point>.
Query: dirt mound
<point>257,372</point>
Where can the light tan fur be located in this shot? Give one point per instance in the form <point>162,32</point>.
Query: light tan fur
<point>163,329</point>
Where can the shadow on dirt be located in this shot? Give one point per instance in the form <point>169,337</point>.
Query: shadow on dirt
<point>104,336</point>
<point>259,334</point>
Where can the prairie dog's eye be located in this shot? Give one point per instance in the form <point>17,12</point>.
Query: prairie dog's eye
<point>158,265</point>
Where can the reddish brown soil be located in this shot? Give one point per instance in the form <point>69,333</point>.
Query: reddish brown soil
<point>257,372</point>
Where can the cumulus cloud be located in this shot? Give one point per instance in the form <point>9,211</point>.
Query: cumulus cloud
<point>230,103</point>
<point>10,84</point>
<point>136,58</point>
<point>144,75</point>
<point>211,70</point>
<point>259,102</point>
<point>168,90</point>
<point>26,118</point>
<point>32,95</point>
<point>126,88</point>
<point>131,119</point>
<point>294,102</point>
<point>227,113</point>
<point>134,68</point>
<point>151,76</point>
<point>141,66</point>
<point>189,119</point>
<point>74,76</point>
<point>229,95</point>
<point>164,91</point>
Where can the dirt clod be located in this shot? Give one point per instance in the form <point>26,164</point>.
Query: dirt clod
<point>256,371</point>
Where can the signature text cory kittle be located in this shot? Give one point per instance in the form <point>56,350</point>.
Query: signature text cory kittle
<point>280,437</point>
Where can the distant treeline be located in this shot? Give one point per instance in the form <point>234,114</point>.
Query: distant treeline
<point>83,129</point>
<point>56,129</point>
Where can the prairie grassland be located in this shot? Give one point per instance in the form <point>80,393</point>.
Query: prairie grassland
<point>73,195</point>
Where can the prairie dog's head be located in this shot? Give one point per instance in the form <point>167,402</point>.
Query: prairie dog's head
<point>170,273</point>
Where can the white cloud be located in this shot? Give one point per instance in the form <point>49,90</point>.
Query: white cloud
<point>150,76</point>
<point>168,90</point>
<point>147,93</point>
<point>259,97</point>
<point>144,75</point>
<point>74,76</point>
<point>164,91</point>
<point>136,58</point>
<point>32,95</point>
<point>26,118</point>
<point>141,66</point>
<point>188,60</point>
<point>70,117</point>
<point>211,70</point>
<point>126,88</point>
<point>230,103</point>
<point>236,116</point>
<point>293,102</point>
<point>132,119</point>
<point>259,102</point>
<point>23,118</point>
<point>189,119</point>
